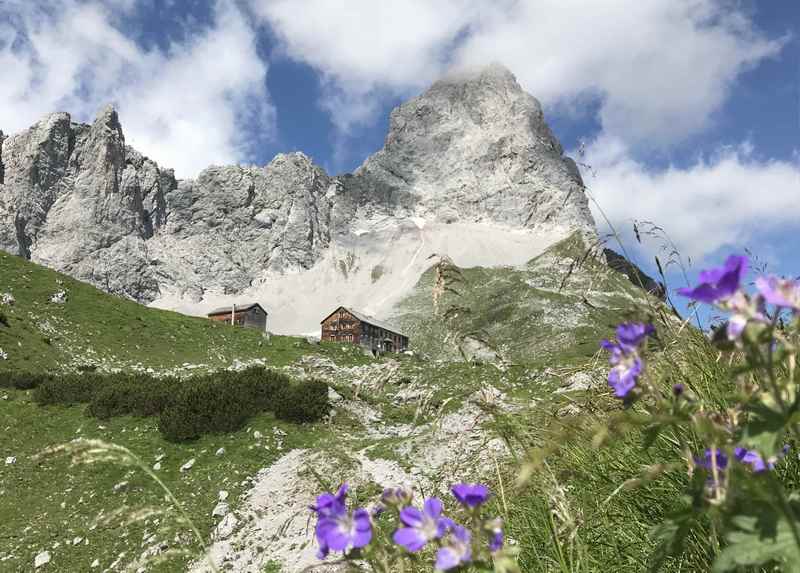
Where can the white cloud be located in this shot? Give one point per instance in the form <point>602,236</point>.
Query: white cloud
<point>365,49</point>
<point>195,104</point>
<point>727,201</point>
<point>660,67</point>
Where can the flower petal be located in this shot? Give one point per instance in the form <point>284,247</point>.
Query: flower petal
<point>410,538</point>
<point>433,507</point>
<point>411,516</point>
<point>446,559</point>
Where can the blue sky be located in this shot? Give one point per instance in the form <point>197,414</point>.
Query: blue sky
<point>689,110</point>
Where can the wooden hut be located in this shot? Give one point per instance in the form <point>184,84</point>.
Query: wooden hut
<point>355,327</point>
<point>251,315</point>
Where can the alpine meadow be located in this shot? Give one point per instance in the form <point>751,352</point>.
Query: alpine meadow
<point>551,334</point>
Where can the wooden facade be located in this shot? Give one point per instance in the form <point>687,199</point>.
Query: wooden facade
<point>354,327</point>
<point>250,315</point>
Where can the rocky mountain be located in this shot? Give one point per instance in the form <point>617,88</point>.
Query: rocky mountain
<point>469,169</point>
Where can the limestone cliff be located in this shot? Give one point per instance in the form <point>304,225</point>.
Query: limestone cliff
<point>469,169</point>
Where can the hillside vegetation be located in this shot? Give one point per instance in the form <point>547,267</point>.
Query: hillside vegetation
<point>92,329</point>
<point>505,360</point>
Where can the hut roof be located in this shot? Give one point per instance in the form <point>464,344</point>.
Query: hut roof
<point>239,308</point>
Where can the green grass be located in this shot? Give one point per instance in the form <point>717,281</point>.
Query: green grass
<point>93,327</point>
<point>33,519</point>
<point>545,321</point>
<point>553,310</point>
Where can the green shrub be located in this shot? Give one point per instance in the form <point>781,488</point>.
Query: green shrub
<point>260,385</point>
<point>133,394</point>
<point>3,318</point>
<point>304,401</point>
<point>22,380</point>
<point>205,405</point>
<point>220,402</point>
<point>70,389</point>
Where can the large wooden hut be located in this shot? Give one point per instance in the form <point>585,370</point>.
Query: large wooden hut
<point>355,327</point>
<point>251,315</point>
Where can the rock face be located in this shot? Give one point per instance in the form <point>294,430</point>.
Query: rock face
<point>476,147</point>
<point>471,155</point>
<point>75,198</point>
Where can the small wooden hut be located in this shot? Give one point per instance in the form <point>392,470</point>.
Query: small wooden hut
<point>251,315</point>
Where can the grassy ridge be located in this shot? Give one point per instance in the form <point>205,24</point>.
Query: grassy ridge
<point>552,311</point>
<point>93,327</point>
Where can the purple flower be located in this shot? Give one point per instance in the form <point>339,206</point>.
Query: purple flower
<point>753,459</point>
<point>470,494</point>
<point>343,532</point>
<point>329,504</point>
<point>736,326</point>
<point>396,496</point>
<point>496,536</point>
<point>780,292</point>
<point>718,284</point>
<point>678,389</point>
<point>630,335</point>
<point>336,529</point>
<point>622,377</point>
<point>420,527</point>
<point>627,366</point>
<point>457,550</point>
<point>705,461</point>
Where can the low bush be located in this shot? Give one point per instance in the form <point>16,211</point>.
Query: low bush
<point>214,403</point>
<point>133,394</point>
<point>22,380</point>
<point>211,404</point>
<point>70,389</point>
<point>224,402</point>
<point>302,402</point>
<point>220,402</point>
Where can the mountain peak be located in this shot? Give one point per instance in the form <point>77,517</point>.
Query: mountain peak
<point>469,170</point>
<point>492,73</point>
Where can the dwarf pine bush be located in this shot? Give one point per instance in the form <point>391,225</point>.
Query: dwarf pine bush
<point>302,402</point>
<point>132,394</point>
<point>187,409</point>
<point>22,380</point>
<point>69,389</point>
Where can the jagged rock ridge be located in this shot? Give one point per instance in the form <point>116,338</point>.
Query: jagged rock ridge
<point>471,155</point>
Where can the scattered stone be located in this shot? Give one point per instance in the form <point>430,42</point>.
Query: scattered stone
<point>223,495</point>
<point>220,452</point>
<point>41,559</point>
<point>11,460</point>
<point>77,540</point>
<point>160,457</point>
<point>95,563</point>
<point>226,527</point>
<point>156,466</point>
<point>221,510</point>
<point>188,465</point>
<point>121,485</point>
<point>59,297</point>
<point>257,435</point>
<point>7,299</point>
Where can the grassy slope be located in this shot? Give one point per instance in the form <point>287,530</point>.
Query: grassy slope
<point>95,328</point>
<point>553,311</point>
<point>545,321</point>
